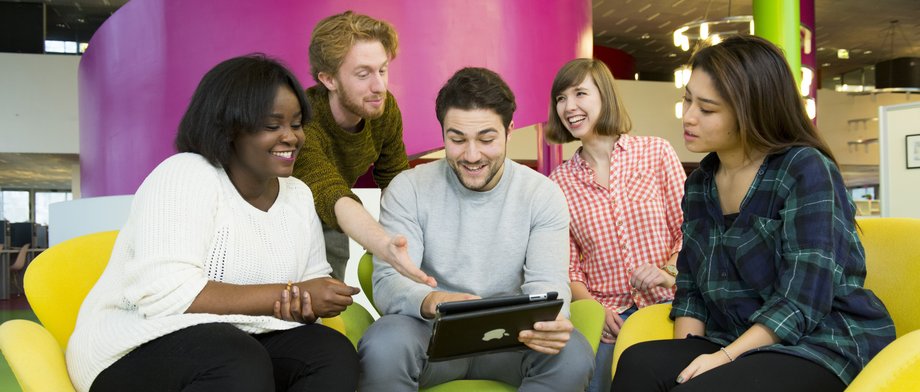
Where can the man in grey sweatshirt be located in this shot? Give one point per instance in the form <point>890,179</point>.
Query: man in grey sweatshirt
<point>486,227</point>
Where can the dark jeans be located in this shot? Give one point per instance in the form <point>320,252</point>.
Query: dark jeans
<point>654,366</point>
<point>221,357</point>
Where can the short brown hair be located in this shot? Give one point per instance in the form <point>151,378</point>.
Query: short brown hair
<point>334,36</point>
<point>614,119</point>
<point>752,75</point>
<point>476,88</point>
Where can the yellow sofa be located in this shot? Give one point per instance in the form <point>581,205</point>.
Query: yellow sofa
<point>893,269</point>
<point>55,284</point>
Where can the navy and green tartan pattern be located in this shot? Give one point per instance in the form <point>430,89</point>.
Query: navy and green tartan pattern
<point>791,261</point>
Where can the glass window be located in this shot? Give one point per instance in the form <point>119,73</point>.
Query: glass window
<point>54,46</point>
<point>14,206</point>
<point>866,193</point>
<point>45,199</point>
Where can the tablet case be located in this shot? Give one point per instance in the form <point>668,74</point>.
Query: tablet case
<point>485,330</point>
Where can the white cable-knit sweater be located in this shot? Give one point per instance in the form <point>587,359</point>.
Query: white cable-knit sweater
<point>188,225</point>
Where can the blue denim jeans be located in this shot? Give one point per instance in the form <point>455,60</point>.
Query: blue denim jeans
<point>603,361</point>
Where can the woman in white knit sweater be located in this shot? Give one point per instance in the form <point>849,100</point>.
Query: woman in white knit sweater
<point>219,274</point>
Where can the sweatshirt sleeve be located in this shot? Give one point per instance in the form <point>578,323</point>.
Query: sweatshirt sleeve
<point>173,214</point>
<point>393,292</point>
<point>547,261</point>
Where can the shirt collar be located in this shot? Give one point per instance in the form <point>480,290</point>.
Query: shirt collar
<point>710,162</point>
<point>622,143</point>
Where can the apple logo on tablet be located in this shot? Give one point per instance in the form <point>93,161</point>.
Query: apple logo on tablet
<point>494,334</point>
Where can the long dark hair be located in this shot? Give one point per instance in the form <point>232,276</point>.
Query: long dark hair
<point>235,96</point>
<point>753,76</point>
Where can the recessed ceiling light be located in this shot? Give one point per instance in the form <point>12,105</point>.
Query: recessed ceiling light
<point>645,36</point>
<point>826,65</point>
<point>843,54</point>
<point>672,55</point>
<point>867,52</point>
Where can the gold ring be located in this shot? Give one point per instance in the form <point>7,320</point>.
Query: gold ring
<point>288,288</point>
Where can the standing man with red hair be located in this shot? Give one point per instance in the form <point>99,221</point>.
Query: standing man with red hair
<point>357,124</point>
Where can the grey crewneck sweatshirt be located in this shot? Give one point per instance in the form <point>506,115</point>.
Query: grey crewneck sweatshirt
<point>512,239</point>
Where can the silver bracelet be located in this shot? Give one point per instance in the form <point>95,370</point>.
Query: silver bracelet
<point>723,350</point>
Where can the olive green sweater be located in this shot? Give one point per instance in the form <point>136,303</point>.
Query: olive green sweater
<point>332,158</point>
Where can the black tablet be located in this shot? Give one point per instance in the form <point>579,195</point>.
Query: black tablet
<point>466,328</point>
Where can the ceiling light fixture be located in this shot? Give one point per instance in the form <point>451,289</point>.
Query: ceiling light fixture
<point>702,30</point>
<point>711,32</point>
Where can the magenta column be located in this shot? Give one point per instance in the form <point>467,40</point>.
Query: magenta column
<point>144,63</point>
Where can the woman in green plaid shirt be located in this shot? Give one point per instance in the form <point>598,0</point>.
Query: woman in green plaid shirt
<point>770,286</point>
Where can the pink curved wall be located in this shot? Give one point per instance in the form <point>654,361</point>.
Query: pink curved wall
<point>143,65</point>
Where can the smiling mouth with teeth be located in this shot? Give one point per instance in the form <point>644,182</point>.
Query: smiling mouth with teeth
<point>283,154</point>
<point>474,168</point>
<point>576,120</point>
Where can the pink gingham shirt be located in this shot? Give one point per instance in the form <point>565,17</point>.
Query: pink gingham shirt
<point>636,221</point>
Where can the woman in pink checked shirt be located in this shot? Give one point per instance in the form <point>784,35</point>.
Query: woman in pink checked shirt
<point>624,196</point>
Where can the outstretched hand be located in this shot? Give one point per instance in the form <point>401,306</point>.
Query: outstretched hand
<point>398,257</point>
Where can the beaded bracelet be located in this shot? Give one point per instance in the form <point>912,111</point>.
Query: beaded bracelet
<point>723,350</point>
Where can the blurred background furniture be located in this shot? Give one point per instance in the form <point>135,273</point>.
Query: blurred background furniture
<point>17,267</point>
<point>867,207</point>
<point>20,234</point>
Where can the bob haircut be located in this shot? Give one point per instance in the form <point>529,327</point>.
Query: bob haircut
<point>752,76</point>
<point>334,36</point>
<point>476,88</point>
<point>613,121</point>
<point>233,97</point>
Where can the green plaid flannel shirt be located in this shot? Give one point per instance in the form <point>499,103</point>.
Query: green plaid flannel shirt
<point>791,261</point>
